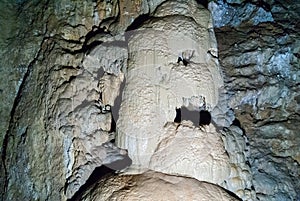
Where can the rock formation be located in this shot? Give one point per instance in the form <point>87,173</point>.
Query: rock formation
<point>89,92</point>
<point>156,186</point>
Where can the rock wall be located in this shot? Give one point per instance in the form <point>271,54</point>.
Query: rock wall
<point>156,186</point>
<point>78,75</point>
<point>259,54</point>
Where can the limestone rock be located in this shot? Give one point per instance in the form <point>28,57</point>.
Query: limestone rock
<point>111,57</point>
<point>182,146</point>
<point>63,68</point>
<point>88,156</point>
<point>156,186</point>
<point>238,149</point>
<point>226,14</point>
<point>261,75</point>
<point>156,84</point>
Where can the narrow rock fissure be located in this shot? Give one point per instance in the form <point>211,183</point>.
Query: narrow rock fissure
<point>178,115</point>
<point>138,22</point>
<point>117,102</point>
<point>98,173</point>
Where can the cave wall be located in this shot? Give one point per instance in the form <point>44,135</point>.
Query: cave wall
<point>259,54</point>
<point>63,61</point>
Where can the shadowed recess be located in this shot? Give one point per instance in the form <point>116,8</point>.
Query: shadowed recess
<point>138,22</point>
<point>198,118</point>
<point>205,117</point>
<point>237,123</point>
<point>99,173</point>
<point>178,116</point>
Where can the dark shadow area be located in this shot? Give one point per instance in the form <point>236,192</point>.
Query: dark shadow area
<point>113,125</point>
<point>178,116</point>
<point>237,123</point>
<point>205,118</point>
<point>203,3</point>
<point>261,4</point>
<point>198,118</point>
<point>184,61</point>
<point>193,116</point>
<point>137,23</point>
<point>100,173</point>
<point>232,194</point>
<point>117,103</point>
<point>100,74</point>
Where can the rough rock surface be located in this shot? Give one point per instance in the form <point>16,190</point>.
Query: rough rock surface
<point>156,84</point>
<point>156,186</point>
<point>259,55</point>
<point>63,68</point>
<point>58,132</point>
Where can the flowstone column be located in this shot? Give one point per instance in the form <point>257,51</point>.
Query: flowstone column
<point>156,83</point>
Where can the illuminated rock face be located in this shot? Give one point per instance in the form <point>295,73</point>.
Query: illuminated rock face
<point>158,81</point>
<point>64,61</point>
<point>156,186</point>
<point>156,84</point>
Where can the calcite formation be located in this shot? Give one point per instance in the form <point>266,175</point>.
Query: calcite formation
<point>156,186</point>
<point>89,87</point>
<point>156,84</point>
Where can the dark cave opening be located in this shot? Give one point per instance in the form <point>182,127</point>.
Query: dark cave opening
<point>178,115</point>
<point>205,118</point>
<point>237,123</point>
<point>198,118</point>
<point>100,173</point>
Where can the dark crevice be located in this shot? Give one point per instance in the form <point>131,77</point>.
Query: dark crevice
<point>118,101</point>
<point>232,194</point>
<point>260,4</point>
<point>203,3</point>
<point>89,44</point>
<point>237,123</point>
<point>205,118</point>
<point>138,22</point>
<point>100,173</point>
<point>112,125</point>
<point>192,116</point>
<point>178,115</point>
<point>184,61</point>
